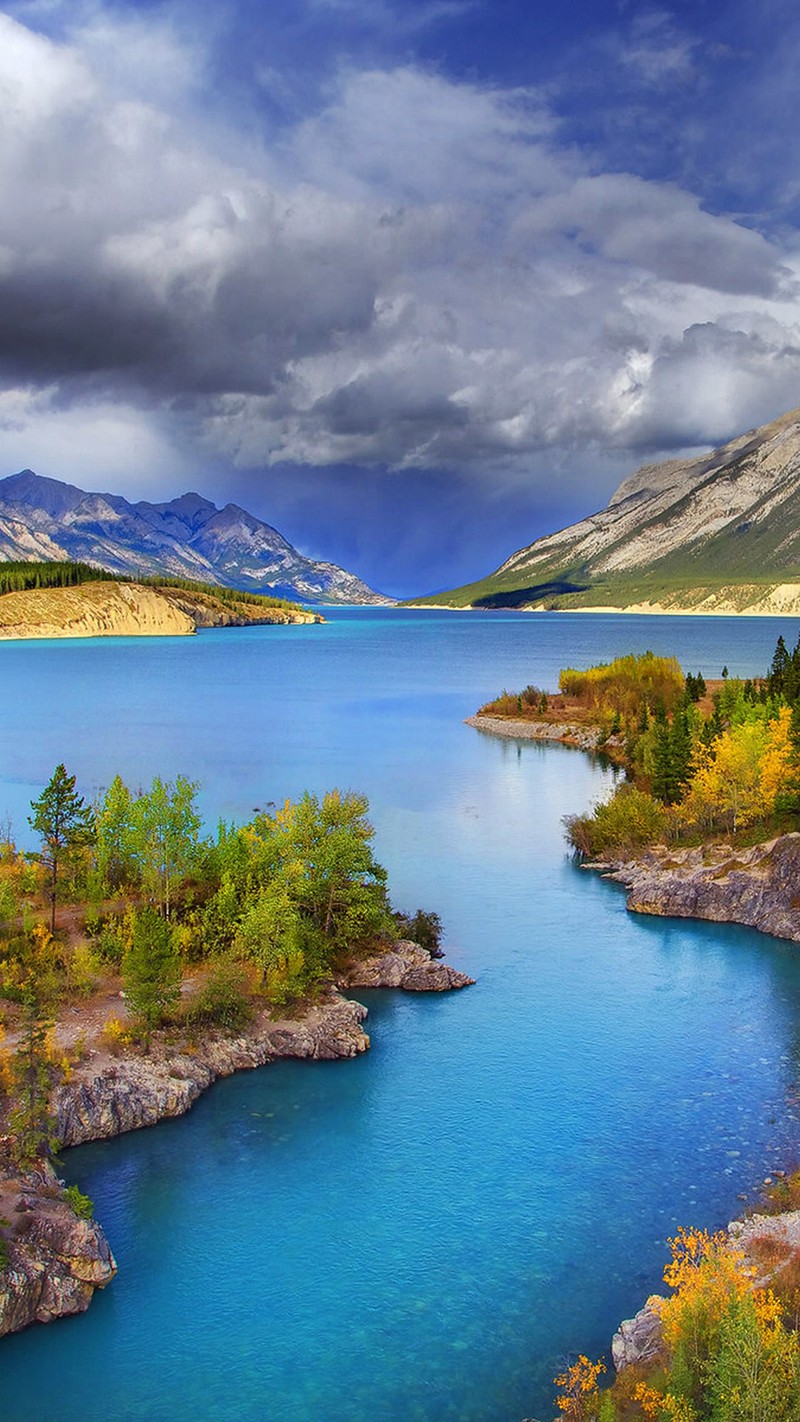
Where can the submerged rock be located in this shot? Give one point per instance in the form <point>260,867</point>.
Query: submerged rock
<point>406,966</point>
<point>55,1260</point>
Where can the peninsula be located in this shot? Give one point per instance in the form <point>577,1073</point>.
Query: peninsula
<point>141,960</point>
<point>705,826</point>
<point>47,600</point>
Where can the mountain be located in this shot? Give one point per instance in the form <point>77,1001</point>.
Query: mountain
<point>189,537</point>
<point>718,533</point>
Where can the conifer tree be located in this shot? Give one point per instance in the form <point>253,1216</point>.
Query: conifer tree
<point>63,822</point>
<point>151,971</point>
<point>31,1120</point>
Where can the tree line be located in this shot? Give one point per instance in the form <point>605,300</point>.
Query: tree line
<point>26,577</point>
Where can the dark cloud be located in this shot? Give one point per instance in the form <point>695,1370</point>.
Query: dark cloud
<point>416,273</point>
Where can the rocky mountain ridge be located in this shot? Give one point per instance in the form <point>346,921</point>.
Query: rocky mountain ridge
<point>187,537</point>
<point>714,533</point>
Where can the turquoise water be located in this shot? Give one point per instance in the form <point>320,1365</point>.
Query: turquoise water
<point>427,1232</point>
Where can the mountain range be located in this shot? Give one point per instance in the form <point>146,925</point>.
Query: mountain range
<point>714,533</point>
<point>188,537</point>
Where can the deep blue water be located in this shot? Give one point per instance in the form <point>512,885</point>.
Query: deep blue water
<point>425,1233</point>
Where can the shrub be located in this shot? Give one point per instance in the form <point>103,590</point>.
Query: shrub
<point>81,1204</point>
<point>628,821</point>
<point>224,999</point>
<point>114,1036</point>
<point>83,970</point>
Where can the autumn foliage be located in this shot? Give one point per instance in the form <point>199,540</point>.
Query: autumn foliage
<point>729,1352</point>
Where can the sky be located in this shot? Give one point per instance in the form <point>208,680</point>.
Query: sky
<point>414,282</point>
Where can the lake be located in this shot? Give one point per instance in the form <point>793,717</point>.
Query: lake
<point>428,1232</point>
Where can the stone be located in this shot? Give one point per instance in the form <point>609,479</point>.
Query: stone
<point>756,887</point>
<point>407,966</point>
<point>56,1260</point>
<point>638,1339</point>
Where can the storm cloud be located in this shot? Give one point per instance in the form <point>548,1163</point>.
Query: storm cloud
<point>416,272</point>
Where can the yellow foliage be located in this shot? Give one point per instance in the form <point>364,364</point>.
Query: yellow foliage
<point>663,1405</point>
<point>726,785</point>
<point>626,683</point>
<point>578,1386</point>
<point>114,1036</point>
<point>6,1075</point>
<point>705,1272</point>
<point>776,761</point>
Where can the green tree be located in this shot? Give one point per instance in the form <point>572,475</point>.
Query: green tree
<point>165,825</point>
<point>271,934</point>
<point>116,860</point>
<point>31,1121</point>
<point>64,823</point>
<point>151,971</point>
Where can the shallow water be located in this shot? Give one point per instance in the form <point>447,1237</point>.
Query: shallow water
<point>426,1232</point>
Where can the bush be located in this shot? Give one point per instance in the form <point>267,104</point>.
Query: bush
<point>628,821</point>
<point>81,1204</point>
<point>114,1036</point>
<point>224,999</point>
<point>83,970</point>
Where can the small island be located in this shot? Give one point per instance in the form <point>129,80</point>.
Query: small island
<point>141,959</point>
<point>704,824</point>
<point>53,600</point>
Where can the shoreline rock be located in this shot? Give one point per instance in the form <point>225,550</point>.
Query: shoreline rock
<point>131,1092</point>
<point>566,733</point>
<point>639,1340</point>
<point>754,887</point>
<point>55,1259</point>
<point>406,966</point>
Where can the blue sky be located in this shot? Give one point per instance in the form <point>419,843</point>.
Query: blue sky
<point>413,282</point>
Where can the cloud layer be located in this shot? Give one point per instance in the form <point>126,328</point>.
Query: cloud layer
<point>412,271</point>
<point>419,274</point>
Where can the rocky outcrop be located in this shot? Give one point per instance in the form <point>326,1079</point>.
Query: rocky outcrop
<point>756,887</point>
<point>638,1339</point>
<point>55,1260</point>
<point>129,1092</point>
<point>112,609</point>
<point>97,609</point>
<point>405,966</point>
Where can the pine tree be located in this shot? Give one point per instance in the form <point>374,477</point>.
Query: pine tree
<point>31,1121</point>
<point>151,971</point>
<point>778,667</point>
<point>63,822</point>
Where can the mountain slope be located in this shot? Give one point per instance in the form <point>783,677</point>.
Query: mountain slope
<point>189,537</point>
<point>720,532</point>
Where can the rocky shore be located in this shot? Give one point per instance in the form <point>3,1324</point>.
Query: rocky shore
<point>757,887</point>
<point>638,1340</point>
<point>56,1260</point>
<point>586,738</point>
